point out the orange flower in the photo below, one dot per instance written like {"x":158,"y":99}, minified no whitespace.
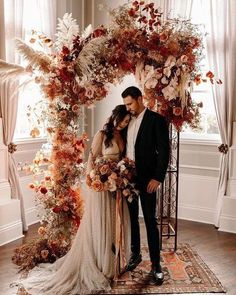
{"x":126,"y":192}
{"x":31,"y":186}
{"x":63,"y":114}
{"x":209,"y":75}
{"x":177,"y":111}
{"x":163,"y":37}
{"x":88,"y":180}
{"x":41,"y":231}
{"x":97,"y":185}
{"x":104,"y":169}
{"x":197,"y":79}
{"x":35,"y":132}
{"x":113,"y":175}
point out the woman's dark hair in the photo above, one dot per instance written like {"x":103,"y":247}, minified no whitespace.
{"x":117,"y":116}
{"x":133,"y":91}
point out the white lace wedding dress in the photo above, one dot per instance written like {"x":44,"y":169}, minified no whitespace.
{"x":89,"y":266}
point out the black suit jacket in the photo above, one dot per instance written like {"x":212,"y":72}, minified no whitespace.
{"x":152,"y":148}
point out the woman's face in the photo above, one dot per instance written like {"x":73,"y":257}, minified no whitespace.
{"x":123,"y":123}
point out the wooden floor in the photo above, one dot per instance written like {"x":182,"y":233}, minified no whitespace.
{"x":218,"y":250}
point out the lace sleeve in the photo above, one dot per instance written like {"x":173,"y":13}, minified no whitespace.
{"x":95,"y":150}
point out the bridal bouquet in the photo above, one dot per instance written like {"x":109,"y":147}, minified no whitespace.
{"x":111,"y":175}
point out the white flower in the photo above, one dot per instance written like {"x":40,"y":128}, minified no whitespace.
{"x":178,"y":72}
{"x":169,"y":92}
{"x":170,"y":62}
{"x":92,"y":173}
{"x":164,"y":80}
{"x":67,"y":29}
{"x":151,"y":83}
{"x":88,"y":30}
{"x":125,"y":180}
{"x":184,"y":58}
{"x":122,"y":168}
{"x":167,"y":71}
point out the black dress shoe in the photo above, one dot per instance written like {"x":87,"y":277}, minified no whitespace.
{"x":134,"y":261}
{"x":158,"y":275}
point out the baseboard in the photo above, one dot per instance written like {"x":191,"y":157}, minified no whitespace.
{"x":228,"y":224}
{"x":10,"y":232}
{"x":31,"y":216}
{"x":194,"y":213}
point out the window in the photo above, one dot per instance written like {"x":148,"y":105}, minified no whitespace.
{"x":203,"y":92}
{"x":29,"y":95}
{"x":208,"y":125}
{"x":29,"y":98}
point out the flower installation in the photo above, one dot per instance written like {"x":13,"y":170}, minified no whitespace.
{"x":163,"y":54}
{"x":111,"y":175}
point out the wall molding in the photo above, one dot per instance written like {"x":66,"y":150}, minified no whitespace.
{"x":31,"y":216}
{"x":228,"y":224}
{"x":10,"y":232}
{"x":196,"y":213}
{"x":199,"y":167}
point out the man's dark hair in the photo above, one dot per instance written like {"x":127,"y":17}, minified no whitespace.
{"x":133,"y":91}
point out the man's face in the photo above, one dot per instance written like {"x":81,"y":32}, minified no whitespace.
{"x":132,"y":105}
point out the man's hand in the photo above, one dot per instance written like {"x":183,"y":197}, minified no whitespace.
{"x":152,"y":186}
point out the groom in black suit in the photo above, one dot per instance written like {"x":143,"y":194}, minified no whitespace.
{"x":148,"y":145}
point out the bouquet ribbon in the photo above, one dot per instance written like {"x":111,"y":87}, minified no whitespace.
{"x":119,"y":237}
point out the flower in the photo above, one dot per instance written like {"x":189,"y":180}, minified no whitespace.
{"x":41,"y":230}
{"x":110,"y":175}
{"x":97,"y":185}
{"x":35,"y":132}
{"x":75,"y":108}
{"x":44,"y":254}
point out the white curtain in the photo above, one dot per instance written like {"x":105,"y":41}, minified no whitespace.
{"x":221,"y":49}
{"x":11,"y":27}
{"x":18,"y":17}
{"x":219,"y":18}
{"x":175,"y":8}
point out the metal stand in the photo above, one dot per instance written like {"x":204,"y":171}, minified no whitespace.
{"x":168,"y":194}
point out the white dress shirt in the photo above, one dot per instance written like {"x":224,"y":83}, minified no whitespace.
{"x":132,"y":133}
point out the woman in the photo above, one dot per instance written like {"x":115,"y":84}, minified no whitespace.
{"x":89,"y":266}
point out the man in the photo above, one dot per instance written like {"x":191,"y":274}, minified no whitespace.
{"x":148,"y":145}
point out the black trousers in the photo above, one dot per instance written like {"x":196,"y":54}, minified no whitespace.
{"x":148,"y":203}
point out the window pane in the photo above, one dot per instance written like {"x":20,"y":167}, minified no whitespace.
{"x":29,"y":97}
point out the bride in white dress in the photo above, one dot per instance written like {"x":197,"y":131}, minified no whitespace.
{"x":89,"y":266}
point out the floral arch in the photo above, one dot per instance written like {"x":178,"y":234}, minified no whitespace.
{"x":164,"y":56}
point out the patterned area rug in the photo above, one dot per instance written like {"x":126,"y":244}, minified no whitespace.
{"x":184,"y":270}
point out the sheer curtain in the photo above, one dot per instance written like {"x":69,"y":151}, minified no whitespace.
{"x":175,"y":8}
{"x":218,"y":17}
{"x":221,"y":49}
{"x":18,"y":17}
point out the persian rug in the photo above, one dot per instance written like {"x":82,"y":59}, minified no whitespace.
{"x":184,"y":270}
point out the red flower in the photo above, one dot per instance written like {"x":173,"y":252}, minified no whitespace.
{"x":65,"y":75}
{"x":65,"y":50}
{"x":56,"y":209}
{"x":101,"y":31}
{"x":43,"y":190}
{"x":132,"y":12}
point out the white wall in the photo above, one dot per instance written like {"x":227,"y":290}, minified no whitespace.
{"x":10,"y":219}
